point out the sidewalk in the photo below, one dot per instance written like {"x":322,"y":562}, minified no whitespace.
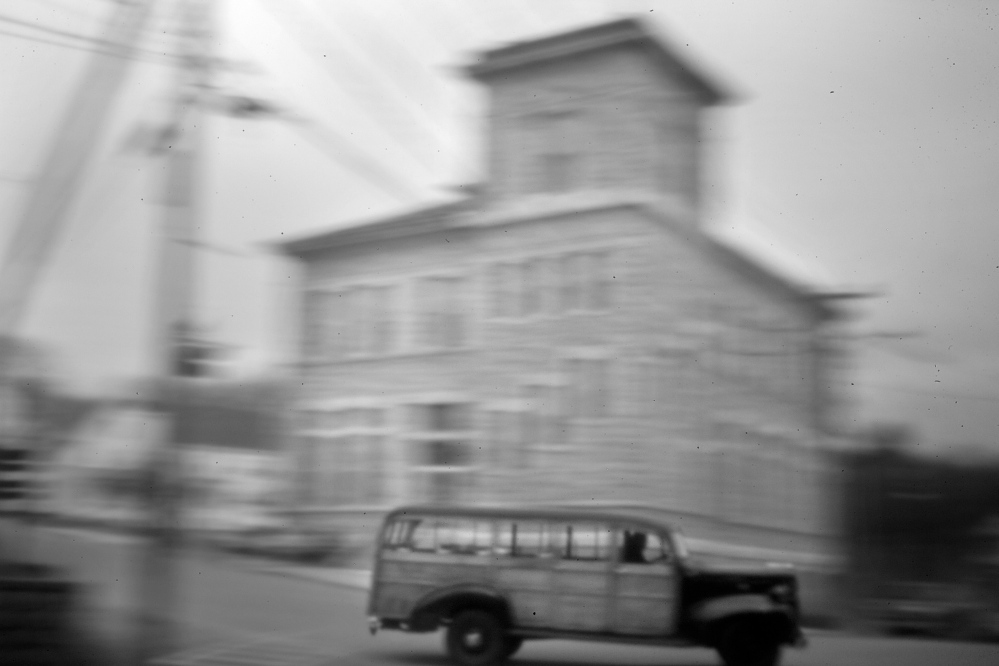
{"x":356,"y":579}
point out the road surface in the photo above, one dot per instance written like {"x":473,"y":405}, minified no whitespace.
{"x":235,"y":611}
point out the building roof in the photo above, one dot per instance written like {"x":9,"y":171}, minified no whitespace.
{"x":425,"y":220}
{"x":615,"y":34}
{"x":466,"y":214}
{"x":818,"y":301}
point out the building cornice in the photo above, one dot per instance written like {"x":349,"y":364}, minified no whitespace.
{"x":470,"y":214}
{"x":615,"y":34}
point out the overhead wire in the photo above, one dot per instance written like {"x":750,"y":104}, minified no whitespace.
{"x":72,"y":9}
{"x":28,"y":249}
{"x":334,"y":144}
{"x":86,"y":43}
{"x":364,"y":94}
{"x":341,"y":150}
{"x":330,"y":142}
{"x":396,"y":65}
{"x":13,"y":20}
{"x":86,"y":49}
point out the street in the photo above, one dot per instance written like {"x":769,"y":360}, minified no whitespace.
{"x":239,"y":611}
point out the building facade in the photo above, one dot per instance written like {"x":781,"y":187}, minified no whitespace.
{"x":569,"y":332}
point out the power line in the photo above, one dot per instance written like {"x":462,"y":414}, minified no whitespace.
{"x":110,"y":49}
{"x":4,"y":18}
{"x":72,"y":10}
{"x":337,"y":147}
{"x":136,"y":54}
{"x":330,"y":142}
{"x":361,"y":52}
{"x":52,"y":42}
{"x":30,"y":245}
{"x":318,"y":31}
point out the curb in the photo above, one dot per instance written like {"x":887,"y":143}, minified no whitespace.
{"x":354,"y":579}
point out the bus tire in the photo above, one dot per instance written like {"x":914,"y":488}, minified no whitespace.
{"x":513,"y":644}
{"x":476,"y":638}
{"x":749,"y":642}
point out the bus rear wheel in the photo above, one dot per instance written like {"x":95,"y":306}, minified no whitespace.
{"x":476,"y":638}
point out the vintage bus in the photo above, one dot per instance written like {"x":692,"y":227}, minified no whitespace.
{"x":497,"y":576}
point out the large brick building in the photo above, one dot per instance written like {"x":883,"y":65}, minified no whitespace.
{"x":569,"y":331}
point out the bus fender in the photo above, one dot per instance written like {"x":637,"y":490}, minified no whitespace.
{"x":439,"y":606}
{"x":719,"y":608}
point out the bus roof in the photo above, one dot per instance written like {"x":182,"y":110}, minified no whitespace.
{"x":617,"y":512}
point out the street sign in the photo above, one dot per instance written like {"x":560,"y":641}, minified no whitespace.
{"x":14,"y":473}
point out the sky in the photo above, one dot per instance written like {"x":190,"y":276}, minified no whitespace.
{"x":859,"y":153}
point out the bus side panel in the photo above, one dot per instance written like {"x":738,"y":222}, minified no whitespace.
{"x":647,"y":599}
{"x":527,"y":583}
{"x":582,"y":595}
{"x":405,"y":577}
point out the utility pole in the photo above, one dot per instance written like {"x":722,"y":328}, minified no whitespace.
{"x":174,"y":299}
{"x":42,"y":219}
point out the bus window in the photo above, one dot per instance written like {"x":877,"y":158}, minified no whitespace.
{"x":530,"y":538}
{"x":559,"y":540}
{"x":643,"y":547}
{"x":399,"y":534}
{"x":465,"y":537}
{"x":391,"y":536}
{"x":505,"y":538}
{"x":590,"y":542}
{"x":452,"y":535}
{"x":482,"y":538}
{"x":424,"y":537}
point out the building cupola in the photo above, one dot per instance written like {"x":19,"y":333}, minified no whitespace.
{"x":608,"y":107}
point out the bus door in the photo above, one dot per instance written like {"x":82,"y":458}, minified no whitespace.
{"x":581,"y":577}
{"x":646,"y":584}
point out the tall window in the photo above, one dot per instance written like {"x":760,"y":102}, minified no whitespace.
{"x":530,"y":292}
{"x":585,"y":281}
{"x":598,"y":282}
{"x":376,"y":322}
{"x":589,"y":394}
{"x":442,"y":322}
{"x":548,"y":284}
{"x":314,"y":319}
{"x":442,"y":438}
{"x":343,"y":451}
{"x":559,"y":143}
{"x":572,"y":282}
{"x":544,"y":416}
{"x":552,"y":285}
{"x":309,"y":484}
{"x":358,"y":321}
{"x":657,"y":385}
{"x":508,"y":446}
{"x":341,"y":323}
{"x":506,"y":287}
